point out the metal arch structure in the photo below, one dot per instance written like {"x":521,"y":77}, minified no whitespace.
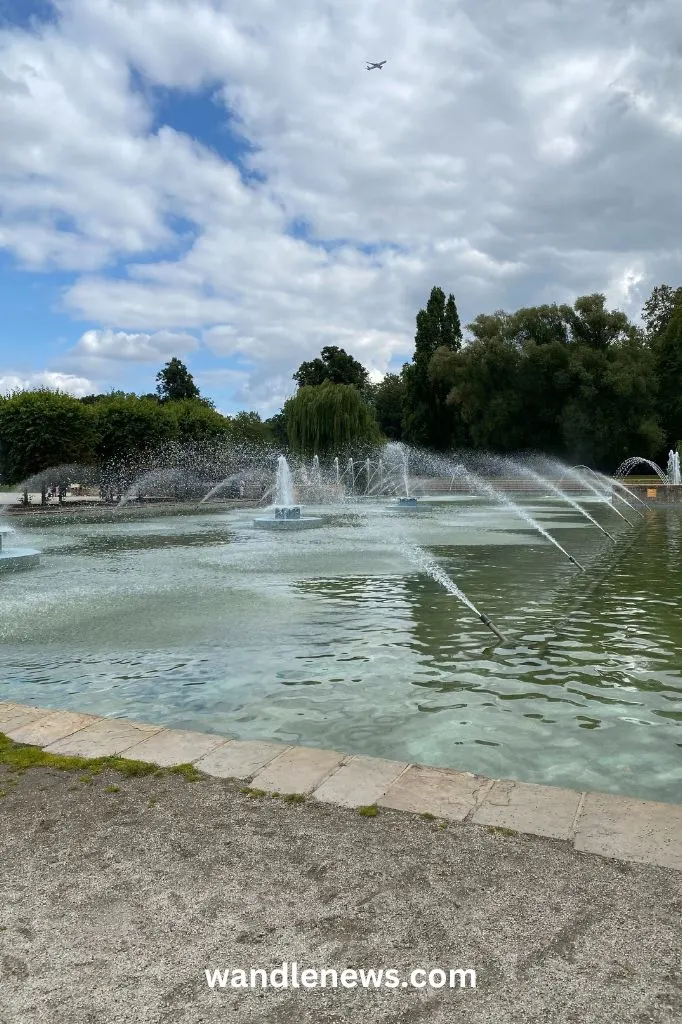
{"x":628,"y":465}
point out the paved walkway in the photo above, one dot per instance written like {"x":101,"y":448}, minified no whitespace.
{"x":117,"y":893}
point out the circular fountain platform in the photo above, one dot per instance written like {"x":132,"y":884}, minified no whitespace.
{"x":305,"y":522}
{"x":287,"y":517}
{"x":18,"y":558}
{"x":405,"y":505}
{"x":12,"y":559}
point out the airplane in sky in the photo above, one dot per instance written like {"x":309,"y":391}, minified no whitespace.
{"x":380,"y":64}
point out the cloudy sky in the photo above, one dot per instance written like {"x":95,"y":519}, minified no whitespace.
{"x":223,"y":180}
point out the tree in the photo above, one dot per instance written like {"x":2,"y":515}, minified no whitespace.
{"x":197,"y":422}
{"x":590,"y":323}
{"x":277,"y":426}
{"x":330,"y":419}
{"x":659,"y":307}
{"x":388,"y":400}
{"x":668,"y":357}
{"x":482,"y":382}
{"x":429,"y":421}
{"x":175,"y":382}
{"x":335,"y":365}
{"x":40,"y":429}
{"x":249,"y":427}
{"x":127,"y":425}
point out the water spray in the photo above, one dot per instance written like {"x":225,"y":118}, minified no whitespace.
{"x":577,"y":473}
{"x":483,"y":487}
{"x":543,"y":482}
{"x":432,"y":569}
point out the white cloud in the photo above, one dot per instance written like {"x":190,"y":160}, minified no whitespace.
{"x":139,"y":348}
{"x":77,"y":386}
{"x":503,"y":153}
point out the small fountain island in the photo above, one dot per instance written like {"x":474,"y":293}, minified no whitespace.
{"x":285,"y":514}
{"x":13,"y":558}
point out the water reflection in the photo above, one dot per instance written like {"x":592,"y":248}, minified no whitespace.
{"x":335,"y":640}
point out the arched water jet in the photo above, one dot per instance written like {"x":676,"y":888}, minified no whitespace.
{"x":153,"y":478}
{"x":602,"y":493}
{"x":219,"y":487}
{"x":611,"y":483}
{"x":629,"y":464}
{"x":483,"y":487}
{"x":543,"y":482}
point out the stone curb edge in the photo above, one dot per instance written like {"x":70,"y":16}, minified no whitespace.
{"x":618,"y":827}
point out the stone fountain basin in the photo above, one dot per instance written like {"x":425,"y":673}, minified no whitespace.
{"x":405,"y":505}
{"x":302,"y":523}
{"x":287,"y":517}
{"x":18,"y":558}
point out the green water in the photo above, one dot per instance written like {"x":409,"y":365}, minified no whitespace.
{"x":334,"y":638}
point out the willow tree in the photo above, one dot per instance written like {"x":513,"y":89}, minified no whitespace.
{"x":328,"y":418}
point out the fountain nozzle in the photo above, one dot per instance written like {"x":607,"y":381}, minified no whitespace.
{"x":576,"y":563}
{"x":486,"y":622}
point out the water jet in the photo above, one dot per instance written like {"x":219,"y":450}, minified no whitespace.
{"x":286,"y":515}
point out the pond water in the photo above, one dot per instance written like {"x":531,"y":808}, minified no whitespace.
{"x":336,"y":638}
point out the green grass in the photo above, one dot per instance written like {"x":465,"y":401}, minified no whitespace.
{"x":19,"y":757}
{"x":502,"y":831}
{"x":370,"y":811}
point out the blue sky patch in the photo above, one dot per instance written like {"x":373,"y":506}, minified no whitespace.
{"x":27,"y":14}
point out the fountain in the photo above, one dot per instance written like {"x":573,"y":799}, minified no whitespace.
{"x":629,"y":464}
{"x":406,"y":502}
{"x":370,"y":635}
{"x":12,"y":558}
{"x":544,"y":482}
{"x":481,"y":486}
{"x":671,"y":493}
{"x":285,"y":514}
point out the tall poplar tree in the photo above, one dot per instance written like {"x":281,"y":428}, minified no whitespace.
{"x":429,"y":421}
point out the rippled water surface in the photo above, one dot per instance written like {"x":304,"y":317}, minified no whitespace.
{"x":335,"y":638}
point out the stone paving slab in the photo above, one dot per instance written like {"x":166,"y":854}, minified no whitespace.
{"x":538,"y":810}
{"x":239,"y":759}
{"x":360,"y":782}
{"x":48,"y":728}
{"x":628,"y":829}
{"x":297,"y":770}
{"x":175,"y":746}
{"x":105,"y":738}
{"x":439,"y":791}
{"x":18,"y":720}
{"x":11,"y":712}
{"x":7,"y":706}
{"x":609,"y":826}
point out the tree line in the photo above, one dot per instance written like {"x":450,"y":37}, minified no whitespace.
{"x":581,"y":383}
